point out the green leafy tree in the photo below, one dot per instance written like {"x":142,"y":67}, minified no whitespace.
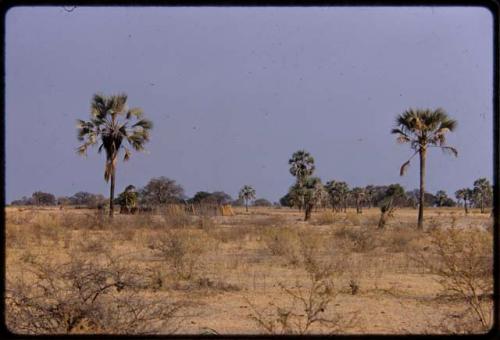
{"x":112,"y":123}
{"x":247,"y":193}
{"x":464,"y":194}
{"x":482,"y":193}
{"x":301,"y":166}
{"x":423,"y":129}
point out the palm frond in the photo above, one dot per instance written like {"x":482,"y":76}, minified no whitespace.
{"x":404,"y":168}
{"x":136,"y":111}
{"x":450,"y":149}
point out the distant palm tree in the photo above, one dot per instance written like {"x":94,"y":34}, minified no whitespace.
{"x":359,"y":195}
{"x":482,"y":192}
{"x":111,"y":124}
{"x":369,"y":193}
{"x":423,"y":129}
{"x":339,"y":192}
{"x":441,"y":198}
{"x":465,"y":195}
{"x":247,"y":193}
{"x":301,"y":166}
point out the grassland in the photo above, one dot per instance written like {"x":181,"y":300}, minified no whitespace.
{"x":257,"y":272}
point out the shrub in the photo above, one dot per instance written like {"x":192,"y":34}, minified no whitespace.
{"x":463,"y":261}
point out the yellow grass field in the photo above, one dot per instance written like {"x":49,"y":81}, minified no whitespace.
{"x":265,"y":271}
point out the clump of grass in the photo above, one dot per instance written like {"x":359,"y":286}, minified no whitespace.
{"x":325,"y":218}
{"x":352,"y":218}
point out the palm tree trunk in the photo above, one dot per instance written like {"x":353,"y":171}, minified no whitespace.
{"x":422,"y":155}
{"x":246,"y":205}
{"x":482,"y":205}
{"x":465,"y":206}
{"x":112,"y":194}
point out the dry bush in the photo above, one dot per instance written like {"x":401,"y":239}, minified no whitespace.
{"x":283,"y":241}
{"x":370,"y":220}
{"x":176,"y":217}
{"x":397,"y":240}
{"x":361,"y":240}
{"x":85,"y":296}
{"x":306,"y":307}
{"x":83,"y":220}
{"x":206,"y":223}
{"x":463,"y":260}
{"x":182,"y":250}
{"x":325,"y":218}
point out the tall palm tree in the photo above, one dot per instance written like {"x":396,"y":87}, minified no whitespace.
{"x":301,"y":166}
{"x":247,"y":193}
{"x":464,"y":194}
{"x":482,"y":192}
{"x":423,"y":129}
{"x":111,"y":124}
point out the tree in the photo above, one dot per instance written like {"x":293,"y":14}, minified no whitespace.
{"x":127,"y":200}
{"x":111,"y":124}
{"x":358,"y":194}
{"x":262,"y":202}
{"x":394,"y":196}
{"x":247,"y":193}
{"x":88,"y":199}
{"x":160,"y":191}
{"x":43,"y":198}
{"x":301,"y":166}
{"x":464,"y":194}
{"x":311,"y":192}
{"x":482,"y":192}
{"x":369,"y":194}
{"x":23,"y":201}
{"x":286,"y":201}
{"x":441,"y":198}
{"x":199,"y":197}
{"x":339,"y":192}
{"x":423,"y":129}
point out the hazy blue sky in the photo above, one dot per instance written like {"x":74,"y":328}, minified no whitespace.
{"x":233,"y":92}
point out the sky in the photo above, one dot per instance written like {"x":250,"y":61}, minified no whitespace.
{"x":234,"y":91}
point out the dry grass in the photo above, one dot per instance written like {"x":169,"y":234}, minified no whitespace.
{"x":265,"y":271}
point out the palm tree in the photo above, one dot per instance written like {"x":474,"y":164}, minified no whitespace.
{"x":111,"y":124}
{"x":247,"y":193}
{"x":464,"y":194}
{"x":301,"y":166}
{"x":441,"y":198}
{"x":311,"y":188}
{"x":339,"y":192}
{"x":358,"y":194}
{"x":423,"y":129}
{"x":482,"y":192}
{"x":369,"y":193}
